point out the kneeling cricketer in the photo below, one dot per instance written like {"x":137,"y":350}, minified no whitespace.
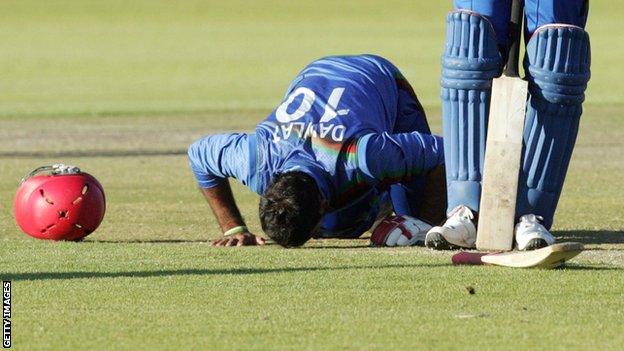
{"x":347,"y":147}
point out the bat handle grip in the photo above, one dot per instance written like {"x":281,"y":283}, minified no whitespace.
{"x":515,"y":29}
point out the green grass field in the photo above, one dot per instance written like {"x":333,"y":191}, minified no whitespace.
{"x":122,"y":88}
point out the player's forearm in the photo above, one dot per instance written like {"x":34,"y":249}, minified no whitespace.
{"x":221,"y":201}
{"x":392,"y":157}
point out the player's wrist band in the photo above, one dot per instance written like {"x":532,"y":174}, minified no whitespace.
{"x":236,"y":230}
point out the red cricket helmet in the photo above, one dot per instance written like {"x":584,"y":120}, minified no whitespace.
{"x":64,"y":204}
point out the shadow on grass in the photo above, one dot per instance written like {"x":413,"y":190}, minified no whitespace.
{"x":353,"y":246}
{"x":362,"y":244}
{"x":575,"y":267}
{"x":329,"y":243}
{"x":591,"y":236}
{"x":148,"y":241}
{"x":199,"y":272}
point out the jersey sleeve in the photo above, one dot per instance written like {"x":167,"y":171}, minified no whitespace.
{"x":217,"y":157}
{"x":391,"y":158}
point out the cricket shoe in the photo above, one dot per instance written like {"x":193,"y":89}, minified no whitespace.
{"x":530,"y":233}
{"x":458,"y":231}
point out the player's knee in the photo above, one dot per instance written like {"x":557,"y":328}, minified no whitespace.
{"x":558,"y":64}
{"x":471,"y":58}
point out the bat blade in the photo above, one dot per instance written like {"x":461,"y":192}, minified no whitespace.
{"x":548,"y":257}
{"x":552,"y":256}
{"x":502,"y":164}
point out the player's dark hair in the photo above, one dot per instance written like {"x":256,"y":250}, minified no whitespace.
{"x":290,"y":208}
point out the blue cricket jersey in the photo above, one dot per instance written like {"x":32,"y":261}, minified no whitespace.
{"x":345,"y":121}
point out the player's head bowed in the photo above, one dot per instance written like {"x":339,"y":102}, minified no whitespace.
{"x":291,"y":208}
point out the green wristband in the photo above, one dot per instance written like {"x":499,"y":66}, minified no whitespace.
{"x":236,"y":230}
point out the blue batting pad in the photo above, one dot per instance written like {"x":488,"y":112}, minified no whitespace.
{"x":557,"y":65}
{"x":470,"y":61}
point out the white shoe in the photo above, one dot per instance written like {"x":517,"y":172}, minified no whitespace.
{"x":458,"y":230}
{"x":531,"y":234}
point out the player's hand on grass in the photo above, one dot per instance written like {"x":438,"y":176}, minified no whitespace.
{"x":241,"y":239}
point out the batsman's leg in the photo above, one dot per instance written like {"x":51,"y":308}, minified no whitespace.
{"x":542,"y":12}
{"x":557,"y":67}
{"x":470,"y":61}
{"x":497,"y":12}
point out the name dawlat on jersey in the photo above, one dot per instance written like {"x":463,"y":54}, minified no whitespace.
{"x":309,"y":129}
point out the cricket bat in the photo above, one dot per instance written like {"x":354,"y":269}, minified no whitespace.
{"x":503,"y":149}
{"x":552,"y":256}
